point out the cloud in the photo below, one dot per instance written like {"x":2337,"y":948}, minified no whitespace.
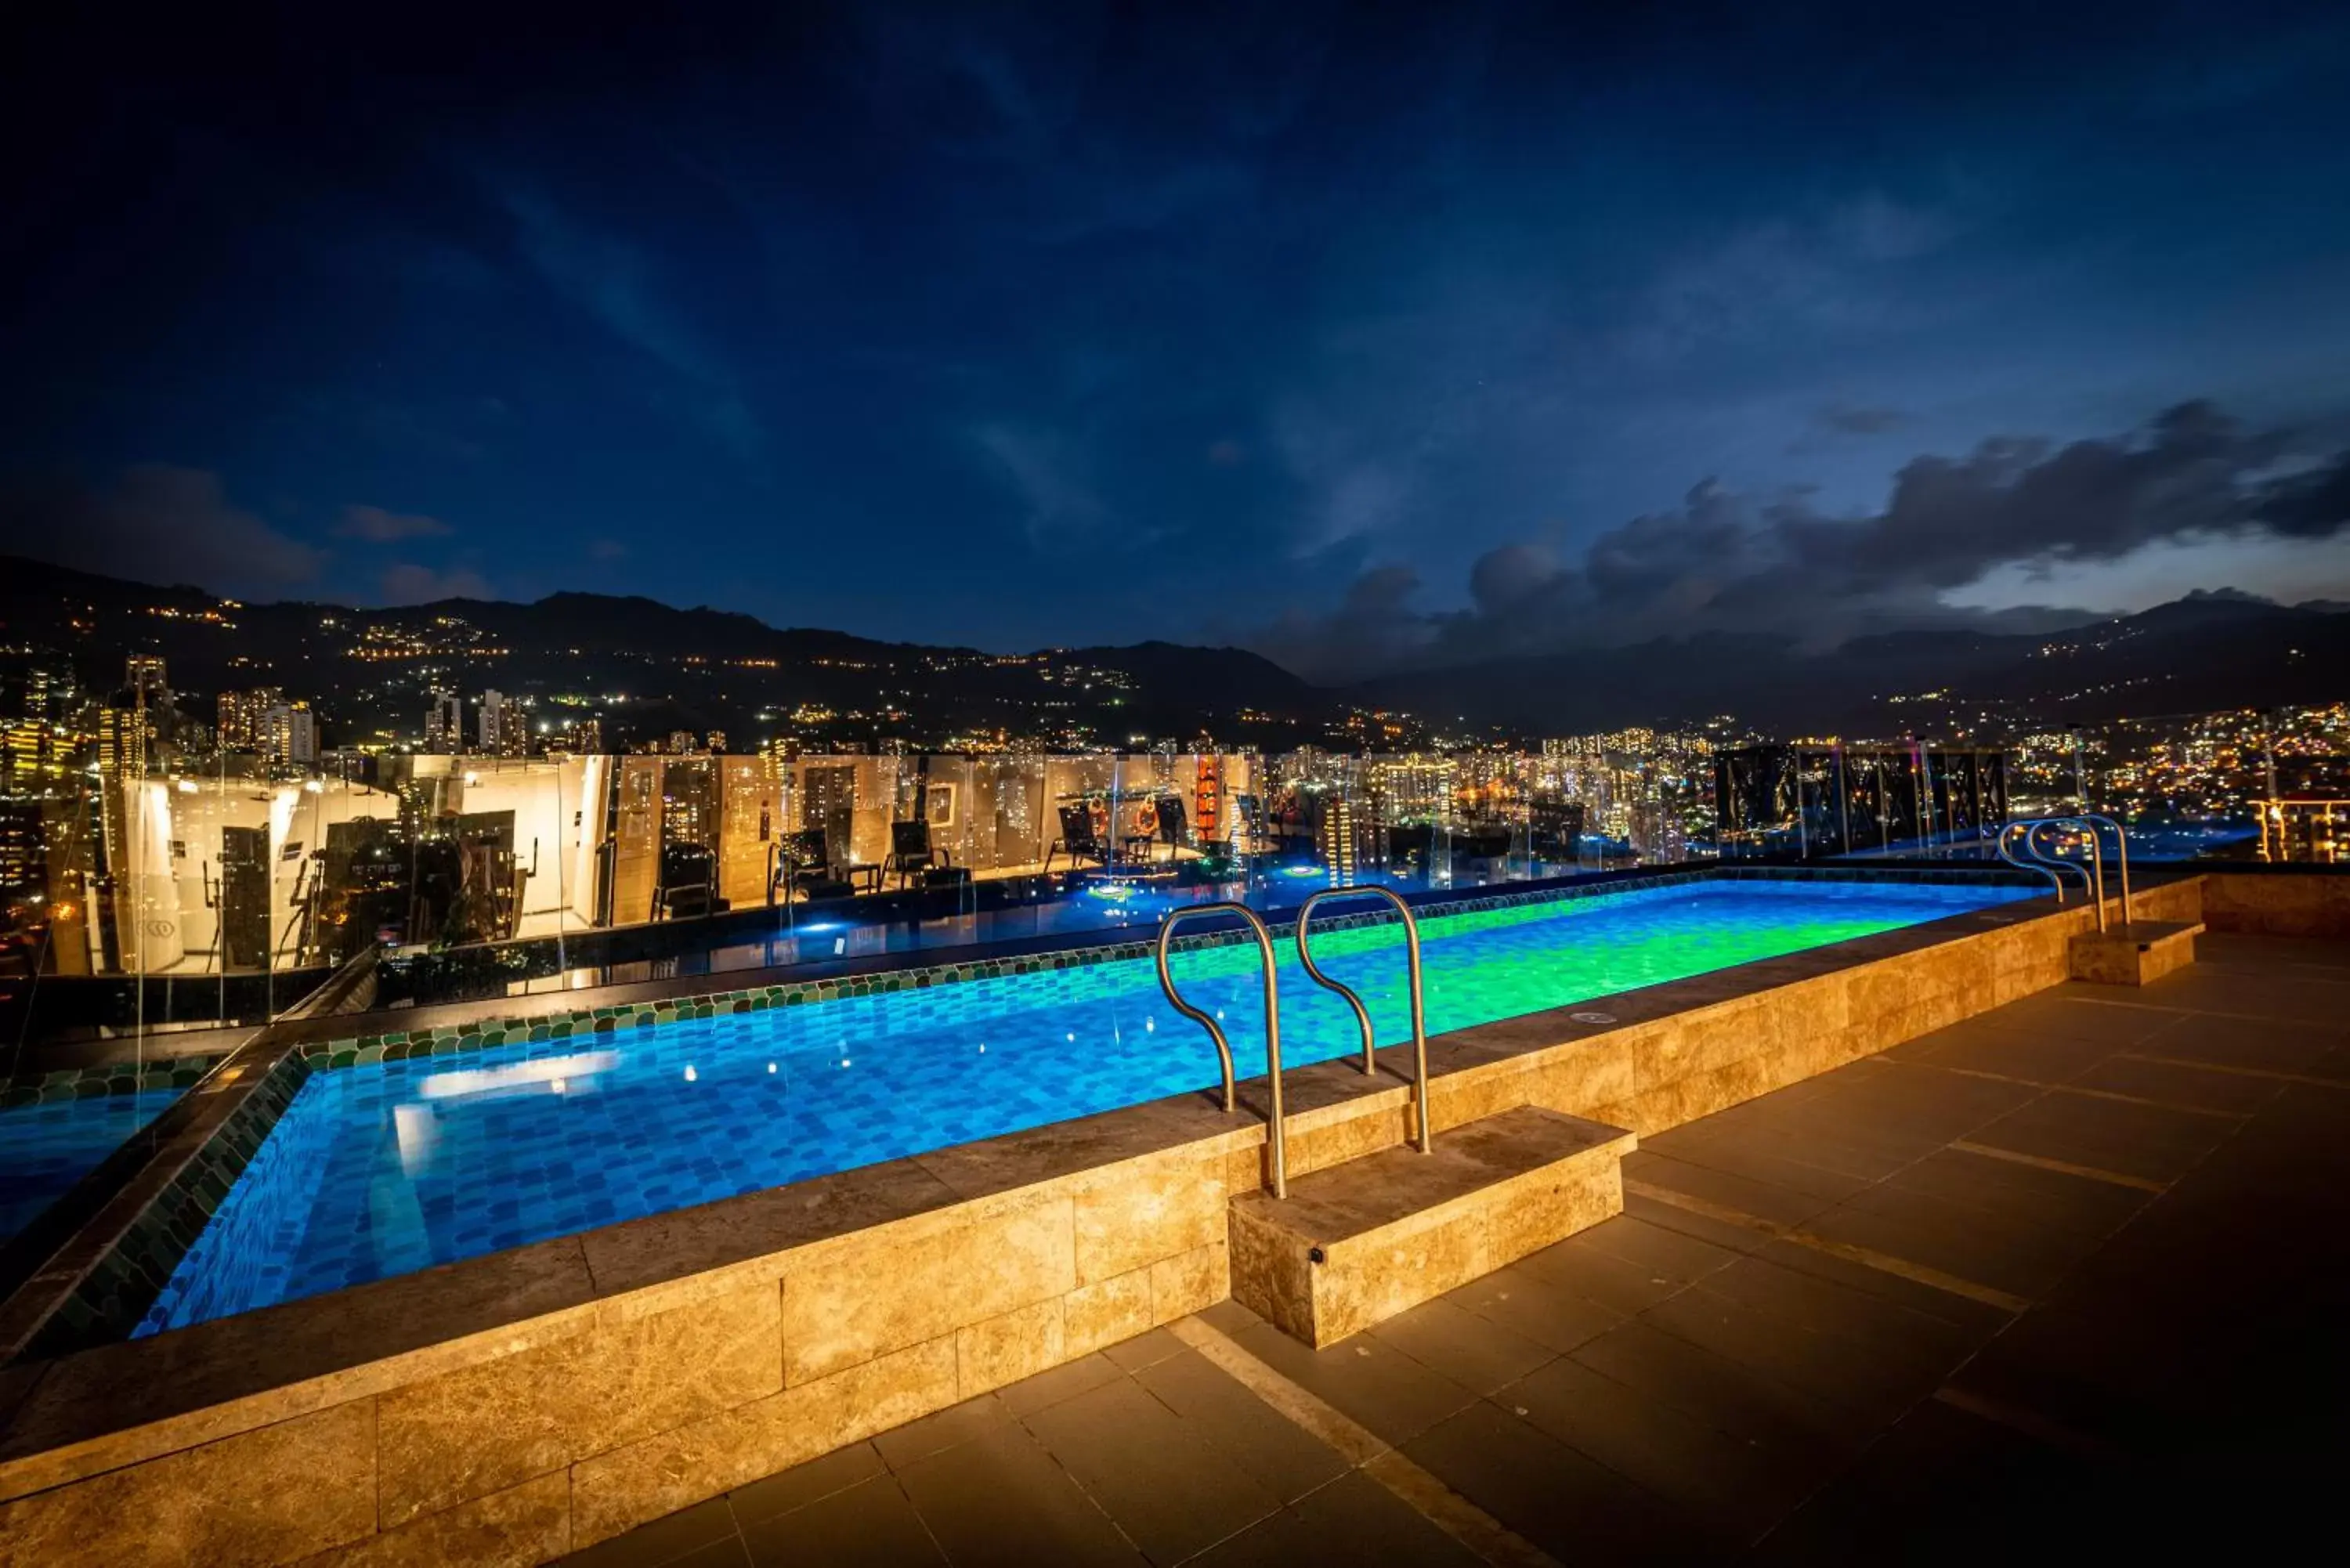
{"x":1846,"y":419}
{"x":1050,"y":476}
{"x":2013,"y":509}
{"x":406,"y":583}
{"x":157,"y":523}
{"x":377,"y":526}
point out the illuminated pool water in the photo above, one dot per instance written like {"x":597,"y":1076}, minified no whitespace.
{"x":46,"y":1149}
{"x":378,"y":1169}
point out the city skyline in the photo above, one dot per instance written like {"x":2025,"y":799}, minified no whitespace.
{"x":1356,"y":340}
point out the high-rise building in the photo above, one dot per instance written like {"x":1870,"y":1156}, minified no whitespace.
{"x":718,"y":741}
{"x":144,"y":673}
{"x":444,"y":723}
{"x":244,"y":715}
{"x":291,"y":734}
{"x":502,"y":725}
{"x":681,"y":741}
{"x":581,"y":737}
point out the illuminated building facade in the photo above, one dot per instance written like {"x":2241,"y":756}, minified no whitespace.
{"x":444,"y":723}
{"x":244,"y":718}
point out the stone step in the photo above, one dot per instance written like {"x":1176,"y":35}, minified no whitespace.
{"x":1355,"y":1244}
{"x":2134,"y":954}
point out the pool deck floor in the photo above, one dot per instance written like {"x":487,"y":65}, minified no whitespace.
{"x":2071,"y":1277}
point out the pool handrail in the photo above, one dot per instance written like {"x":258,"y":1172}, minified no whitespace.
{"x":2093,"y":875}
{"x":1426,"y":1135}
{"x":2033,"y":862}
{"x":1279,"y":1159}
{"x":2121,"y":855}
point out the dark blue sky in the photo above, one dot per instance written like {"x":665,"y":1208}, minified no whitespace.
{"x":1354,"y":334}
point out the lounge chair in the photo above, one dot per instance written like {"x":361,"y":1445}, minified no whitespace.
{"x":689,"y":883}
{"x":1078,"y":840}
{"x":804,"y":867}
{"x":910,"y":854}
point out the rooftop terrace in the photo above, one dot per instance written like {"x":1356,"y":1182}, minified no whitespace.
{"x":2068,"y":1275}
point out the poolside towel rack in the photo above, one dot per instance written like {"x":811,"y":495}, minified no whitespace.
{"x":1279,"y":1159}
{"x":1425,"y":1135}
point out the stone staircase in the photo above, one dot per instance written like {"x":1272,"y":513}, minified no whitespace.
{"x":1355,"y":1243}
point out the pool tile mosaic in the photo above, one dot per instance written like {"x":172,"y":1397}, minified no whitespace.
{"x":448,"y":1144}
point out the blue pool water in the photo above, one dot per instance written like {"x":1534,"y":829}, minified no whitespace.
{"x":46,"y":1149}
{"x":380,"y":1170}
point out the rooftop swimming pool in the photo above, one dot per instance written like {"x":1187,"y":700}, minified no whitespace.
{"x":383,"y":1168}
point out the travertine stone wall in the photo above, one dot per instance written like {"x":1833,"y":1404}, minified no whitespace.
{"x":599,"y":1420}
{"x":2278,"y":905}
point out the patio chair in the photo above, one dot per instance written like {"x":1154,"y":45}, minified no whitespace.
{"x":910,"y":854}
{"x":804,"y":867}
{"x":1078,"y":840}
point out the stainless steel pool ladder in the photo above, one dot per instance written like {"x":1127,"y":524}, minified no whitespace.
{"x":1279,"y":1151}
{"x":1426,"y":1137}
{"x":2091,"y":876}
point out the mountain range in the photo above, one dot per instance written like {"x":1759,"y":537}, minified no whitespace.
{"x":646,"y":668}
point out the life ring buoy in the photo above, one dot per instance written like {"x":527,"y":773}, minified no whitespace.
{"x":1146,"y":819}
{"x":1098,"y":814}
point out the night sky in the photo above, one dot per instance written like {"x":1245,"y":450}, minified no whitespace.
{"x":1360,"y":337}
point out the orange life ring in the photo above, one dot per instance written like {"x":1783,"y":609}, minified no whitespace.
{"x":1146,"y":819}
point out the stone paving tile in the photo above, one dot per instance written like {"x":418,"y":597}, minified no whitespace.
{"x":1941,"y":1487}
{"x":1283,"y":1457}
{"x":2067,"y":1013}
{"x":1456,"y":1344}
{"x":1540,"y":1298}
{"x":1171,"y":1494}
{"x":2053,"y":1199}
{"x":1738,"y":1399}
{"x":869,"y":1525}
{"x":1770,"y":1158}
{"x":1731,"y":1236}
{"x":1984,"y":1045}
{"x":1000,"y":1500}
{"x":2194,"y":1087}
{"x":1064,"y":1382}
{"x":1379,"y":1387}
{"x":804,"y":1484}
{"x":702,"y":1527}
{"x":1779,"y":1205}
{"x":1845,"y":1390}
{"x":2003,"y":1251}
{"x":2234,"y":1042}
{"x":2259,"y":996}
{"x":2146,"y":1141}
{"x":1669,"y":1254}
{"x":1734,"y":1487}
{"x":960,"y":1423}
{"x":1134,"y":1354}
{"x":1571,"y":1506}
{"x":1823,"y":1145}
{"x":1351,"y":1520}
{"x":1871,"y":1326}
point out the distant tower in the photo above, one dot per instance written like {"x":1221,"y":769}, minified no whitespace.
{"x":290,"y":734}
{"x":499,"y":724}
{"x":444,"y":723}
{"x":143,"y":673}
{"x":243,"y":715}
